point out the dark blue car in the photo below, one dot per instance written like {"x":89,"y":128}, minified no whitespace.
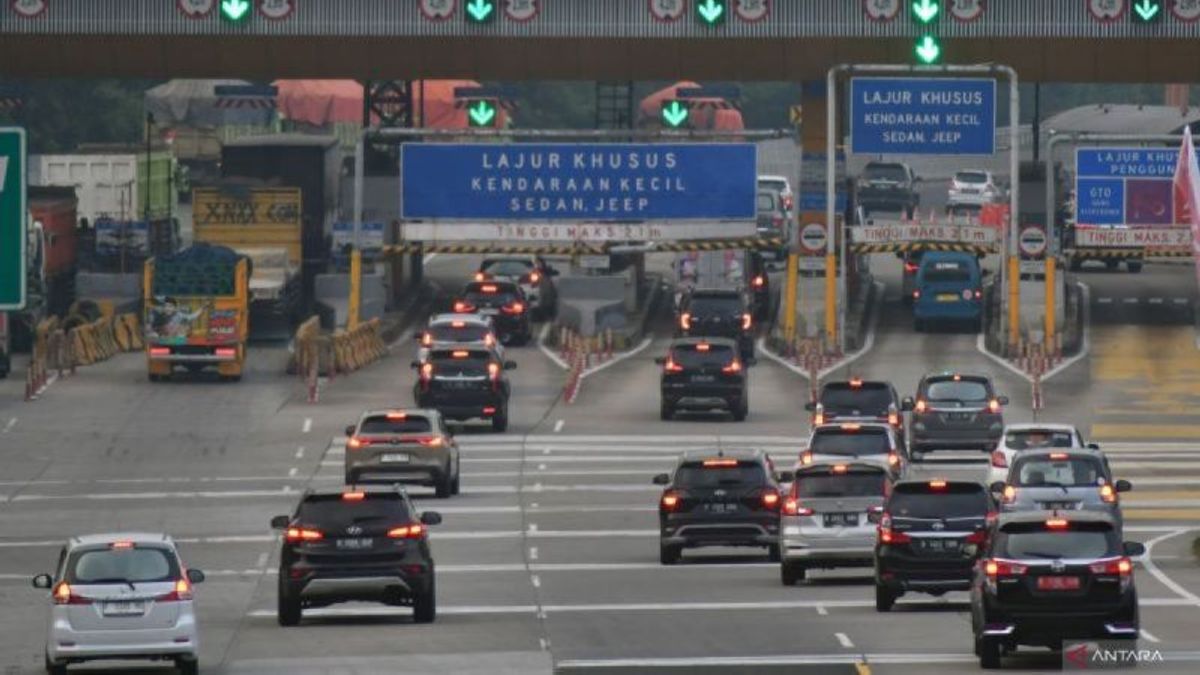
{"x":948,"y":289}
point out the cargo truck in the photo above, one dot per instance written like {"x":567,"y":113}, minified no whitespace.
{"x":197,"y":312}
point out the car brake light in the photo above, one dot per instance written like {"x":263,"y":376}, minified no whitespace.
{"x":958,"y":378}
{"x":994,"y":406}
{"x":889,"y":536}
{"x":225,"y":352}
{"x":356,"y":443}
{"x":1003,"y":568}
{"x":893,"y":459}
{"x":734,"y":366}
{"x":672,"y":367}
{"x":432,"y":441}
{"x":851,"y":426}
{"x":806,"y":457}
{"x":856,"y":382}
{"x":182,"y":591}
{"x":1058,"y":455}
{"x":426,"y":339}
{"x":160,"y":351}
{"x":685,"y":321}
{"x":721,"y":462}
{"x":978,"y":294}
{"x":514,"y":308}
{"x":397,"y":416}
{"x":64,"y":595}
{"x":937,"y":485}
{"x":759,"y":281}
{"x":353,"y":496}
{"x":921,"y":406}
{"x":121,"y":545}
{"x":911,"y":268}
{"x":489,"y":410}
{"x":840,"y":468}
{"x":916,"y":295}
{"x":793,"y":507}
{"x":460,"y":354}
{"x":461,"y":307}
{"x":458,"y":324}
{"x":414,"y":531}
{"x":1107,"y":494}
{"x":669,"y":501}
{"x":703,"y":347}
{"x":1057,"y":523}
{"x":480,"y":276}
{"x":1121,"y":566}
{"x":493,"y":371}
{"x":489,"y":288}
{"x":894,"y":419}
{"x":999,"y":460}
{"x":489,"y":340}
{"x":977,"y":537}
{"x":770,"y":499}
{"x":747,"y":321}
{"x":534,"y":278}
{"x":1009,"y":494}
{"x":295,"y":534}
{"x":426,"y":372}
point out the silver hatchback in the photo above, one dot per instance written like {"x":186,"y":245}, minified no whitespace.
{"x":121,"y":597}
{"x":828,"y":519}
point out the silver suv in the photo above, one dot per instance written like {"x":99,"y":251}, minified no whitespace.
{"x":403,"y":446}
{"x":855,"y":441}
{"x":828,"y":519}
{"x":121,"y":596}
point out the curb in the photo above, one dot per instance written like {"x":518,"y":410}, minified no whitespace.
{"x":1084,"y":346}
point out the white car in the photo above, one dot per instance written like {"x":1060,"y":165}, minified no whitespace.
{"x":1018,"y":437}
{"x":974,"y":187}
{"x":783,"y":187}
{"x":121,"y":596}
{"x":531,"y":273}
{"x":455,"y":330}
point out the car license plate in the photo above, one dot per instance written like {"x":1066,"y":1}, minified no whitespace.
{"x":489,"y":311}
{"x":939,"y":545}
{"x":721,"y":507}
{"x":355,"y":544}
{"x":836,"y":519}
{"x":124,"y":608}
{"x":1055,"y":506}
{"x":947,"y":297}
{"x":704,"y":378}
{"x":1058,"y":583}
{"x":960,"y":417}
{"x":395,"y":458}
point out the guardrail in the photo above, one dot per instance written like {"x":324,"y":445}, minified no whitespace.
{"x":345,"y":351}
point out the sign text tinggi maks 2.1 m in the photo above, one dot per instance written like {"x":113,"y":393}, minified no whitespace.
{"x":577,"y":182}
{"x":915,"y":116}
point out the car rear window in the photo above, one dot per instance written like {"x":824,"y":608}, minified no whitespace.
{"x":964,"y":390}
{"x":381,"y":424}
{"x":448,"y":364}
{"x":1034,"y":540}
{"x":468,"y":332}
{"x":870,"y":398}
{"x":850,"y":443}
{"x":1072,"y":471}
{"x":507,"y":268}
{"x":955,"y":500}
{"x":971,"y":177}
{"x":893,"y":172}
{"x":853,"y":484}
{"x":139,"y":564}
{"x":946,"y":272}
{"x":715,"y":305}
{"x":766,"y":202}
{"x":689,"y":356}
{"x":335,"y":513}
{"x":1028,"y":439}
{"x":740,"y":474}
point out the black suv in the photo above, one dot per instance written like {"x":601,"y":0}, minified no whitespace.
{"x":505,"y":303}
{"x":1047,"y":577}
{"x":355,"y":546}
{"x":464,"y":384}
{"x":890,"y":187}
{"x":930,"y":535}
{"x":718,"y":313}
{"x":728,"y":498}
{"x":858,"y":400}
{"x":955,"y":411}
{"x":703,"y":374}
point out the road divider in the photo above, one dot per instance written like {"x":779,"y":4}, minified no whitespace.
{"x":61,"y":345}
{"x":316,"y":354}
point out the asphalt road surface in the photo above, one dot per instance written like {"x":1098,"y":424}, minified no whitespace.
{"x":548,"y":559}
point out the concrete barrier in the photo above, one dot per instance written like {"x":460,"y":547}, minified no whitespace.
{"x":594,"y":304}
{"x":333,"y":290}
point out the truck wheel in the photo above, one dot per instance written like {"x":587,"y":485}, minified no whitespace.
{"x":1134,"y":266}
{"x":884,"y":598}
{"x":668,"y":555}
{"x":790,"y":574}
{"x":425,"y":604}
{"x":289,"y":606}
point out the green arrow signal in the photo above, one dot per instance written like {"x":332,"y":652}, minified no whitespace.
{"x":235,"y":10}
{"x":482,"y":113}
{"x":675,"y":114}
{"x":1147,"y":10}
{"x":480,"y":11}
{"x":712,"y":12}
{"x":928,"y":50}
{"x":925,"y":10}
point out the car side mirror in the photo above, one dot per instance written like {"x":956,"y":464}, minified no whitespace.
{"x":1123,"y":486}
{"x":662,"y":479}
{"x":785,"y":476}
{"x":43,"y":581}
{"x":810,"y":406}
{"x":350,"y":429}
{"x":1134,"y":549}
{"x":195,"y":576}
{"x":908,"y":404}
{"x":431,"y":518}
{"x":1002,"y":400}
{"x":997,"y":487}
{"x":510,"y":365}
{"x":660,"y":360}
{"x":1093,"y":446}
{"x":280,"y":522}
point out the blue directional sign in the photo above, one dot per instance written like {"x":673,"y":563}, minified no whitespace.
{"x":915,"y":116}
{"x":580,"y":182}
{"x":1125,"y":186}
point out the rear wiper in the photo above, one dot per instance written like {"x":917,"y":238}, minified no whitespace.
{"x":1051,"y":483}
{"x":114,"y":580}
{"x":1047,"y":556}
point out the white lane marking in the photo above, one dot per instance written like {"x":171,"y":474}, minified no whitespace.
{"x":292,"y":472}
{"x":1147,"y":635}
{"x":617,"y":358}
{"x":822,"y":611}
{"x":11,"y":423}
{"x":554,"y":358}
{"x":981,"y":346}
{"x":534,"y":505}
{"x":558,"y":426}
{"x":533,"y":528}
{"x":1104,"y":301}
{"x":533,"y":553}
{"x":1132,"y":301}
{"x":741,"y":663}
{"x":300,"y":452}
{"x":307,"y":425}
{"x":544,"y":643}
{"x":844,"y":640}
{"x":262,"y":560}
{"x":1181,"y":301}
{"x":429,"y":257}
{"x":535,"y":580}
{"x":1156,"y":301}
{"x":119,"y":496}
{"x":1148,"y":563}
{"x":541,"y":467}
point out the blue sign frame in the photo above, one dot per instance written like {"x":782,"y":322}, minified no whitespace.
{"x":1125,"y":185}
{"x":579,"y":182}
{"x":922,"y":116}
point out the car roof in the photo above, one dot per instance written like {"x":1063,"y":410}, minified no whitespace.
{"x":383,"y":412}
{"x":1040,"y":516}
{"x":721,"y":453}
{"x":724,"y":342}
{"x":949,"y":481}
{"x":110,"y":537}
{"x":1030,"y":426}
{"x":1035,"y":453}
{"x":857,"y":463}
{"x":863,"y":383}
{"x":952,"y":373}
{"x":948,"y":256}
{"x":837,"y":426}
{"x":452,"y":317}
{"x":393,"y":489}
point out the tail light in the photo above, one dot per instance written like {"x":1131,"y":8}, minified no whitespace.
{"x":670,"y":501}
{"x":461,"y":307}
{"x":993,"y":406}
{"x":493,"y":371}
{"x":978,"y":294}
{"x":356,"y":443}
{"x":1108,"y":494}
{"x":489,"y":410}
{"x":793,"y":507}
{"x":921,"y":406}
{"x":889,"y":536}
{"x":734,"y":367}
{"x":999,"y":460}
{"x":770,"y":499}
{"x":937,"y":485}
{"x":181,"y":592}
{"x":64,"y":595}
{"x":916,"y":295}
{"x":160,"y":351}
{"x":225,"y":352}
{"x":426,"y":372}
{"x":1009,"y":495}
{"x":427,"y":339}
{"x":513,"y":308}
{"x":747,"y":321}
{"x":759,"y":281}
{"x":893,"y":459}
{"x":685,"y":321}
{"x":671,"y":366}
{"x":302,"y":534}
{"x":432,"y":441}
{"x":911,"y":268}
{"x":977,"y":537}
{"x":893,"y":418}
{"x":353,"y":496}
{"x":480,"y":276}
{"x":413,"y":531}
{"x":1120,"y":566}
{"x":1057,"y":524}
{"x":1003,"y":568}
{"x":806,"y":457}
{"x":535,"y":278}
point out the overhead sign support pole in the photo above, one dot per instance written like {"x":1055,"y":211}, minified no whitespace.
{"x":1010,"y":268}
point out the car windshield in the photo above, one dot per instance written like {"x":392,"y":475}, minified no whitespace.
{"x":956,"y":500}
{"x":715,"y":305}
{"x":446,"y":365}
{"x":689,"y":356}
{"x":467,"y":332}
{"x":1038,"y":438}
{"x":741,"y":474}
{"x":136,"y":564}
{"x":507,"y":268}
{"x":1073,"y":471}
{"x":776,"y":184}
{"x":1095,"y":541}
{"x":850,"y":443}
{"x":869,"y":398}
{"x":957,"y":390}
{"x":890,"y":172}
{"x":946,"y":272}
{"x":971,"y":177}
{"x":856,"y":484}
{"x":395,"y":424}
{"x":332,"y":512}
{"x":766,"y":202}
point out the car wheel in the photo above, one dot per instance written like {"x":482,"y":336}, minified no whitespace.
{"x":665,"y":411}
{"x":668,"y":555}
{"x":500,"y":421}
{"x":425,"y":604}
{"x":455,"y":485}
{"x":989,"y":653}
{"x":741,"y":410}
{"x":445,"y":486}
{"x":791,"y":574}
{"x":55,"y":667}
{"x":187,"y":665}
{"x":884,"y":598}
{"x":773,"y":553}
{"x":289,"y":604}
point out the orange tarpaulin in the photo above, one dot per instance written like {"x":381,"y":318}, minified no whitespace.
{"x":707,"y":113}
{"x":324,"y":102}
